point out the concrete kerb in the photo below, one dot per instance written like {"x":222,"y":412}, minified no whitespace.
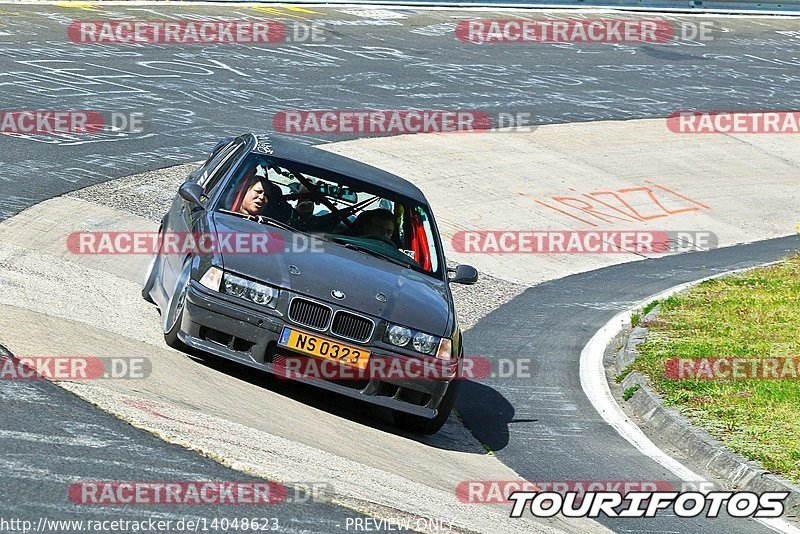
{"x":734,"y":470}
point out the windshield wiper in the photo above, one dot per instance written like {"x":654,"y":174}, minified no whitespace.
{"x":367,"y":250}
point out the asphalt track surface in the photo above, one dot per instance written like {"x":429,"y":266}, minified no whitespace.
{"x":191,"y":96}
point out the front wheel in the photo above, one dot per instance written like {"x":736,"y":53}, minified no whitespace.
{"x":422,"y":425}
{"x":174,"y":313}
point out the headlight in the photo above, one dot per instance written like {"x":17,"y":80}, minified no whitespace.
{"x":253,"y":291}
{"x":425,"y":343}
{"x":398,"y":335}
{"x":235,"y":286}
{"x":401,"y":336}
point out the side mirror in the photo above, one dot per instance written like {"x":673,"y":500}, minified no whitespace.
{"x":463,"y":274}
{"x":192,"y":192}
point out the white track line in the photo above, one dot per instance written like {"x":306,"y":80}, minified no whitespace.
{"x":596,"y":388}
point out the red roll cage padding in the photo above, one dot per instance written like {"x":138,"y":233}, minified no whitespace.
{"x":419,"y":241}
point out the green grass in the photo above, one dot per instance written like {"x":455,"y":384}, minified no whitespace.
{"x":628,"y":393}
{"x":649,"y":307}
{"x":620,"y":377}
{"x":755,"y":315}
{"x":637,"y":316}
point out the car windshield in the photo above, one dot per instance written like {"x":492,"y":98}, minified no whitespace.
{"x":392,"y":228}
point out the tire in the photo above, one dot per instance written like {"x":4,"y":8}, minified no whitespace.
{"x":422,"y":425}
{"x":150,"y":280}
{"x":173,"y":315}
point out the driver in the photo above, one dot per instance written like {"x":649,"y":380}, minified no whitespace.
{"x":255,"y":197}
{"x":379,"y":223}
{"x":262,"y":197}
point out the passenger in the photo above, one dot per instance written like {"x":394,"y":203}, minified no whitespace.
{"x":305,"y":206}
{"x":378,"y":223}
{"x":305,"y":211}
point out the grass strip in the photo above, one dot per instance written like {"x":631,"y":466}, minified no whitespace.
{"x":754,"y":315}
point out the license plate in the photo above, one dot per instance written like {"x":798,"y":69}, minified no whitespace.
{"x":324,"y":348}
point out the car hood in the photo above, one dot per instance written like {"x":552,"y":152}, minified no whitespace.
{"x":316,"y":269}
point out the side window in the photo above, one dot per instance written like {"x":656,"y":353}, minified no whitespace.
{"x":219,"y":168}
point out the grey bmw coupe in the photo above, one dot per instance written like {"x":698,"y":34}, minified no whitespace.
{"x":315,"y":267}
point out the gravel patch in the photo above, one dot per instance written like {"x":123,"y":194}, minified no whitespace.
{"x":479,"y":300}
{"x":147,"y":195}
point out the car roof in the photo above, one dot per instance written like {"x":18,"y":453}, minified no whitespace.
{"x":358,"y":173}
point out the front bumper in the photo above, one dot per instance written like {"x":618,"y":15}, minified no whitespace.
{"x":225,"y":328}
